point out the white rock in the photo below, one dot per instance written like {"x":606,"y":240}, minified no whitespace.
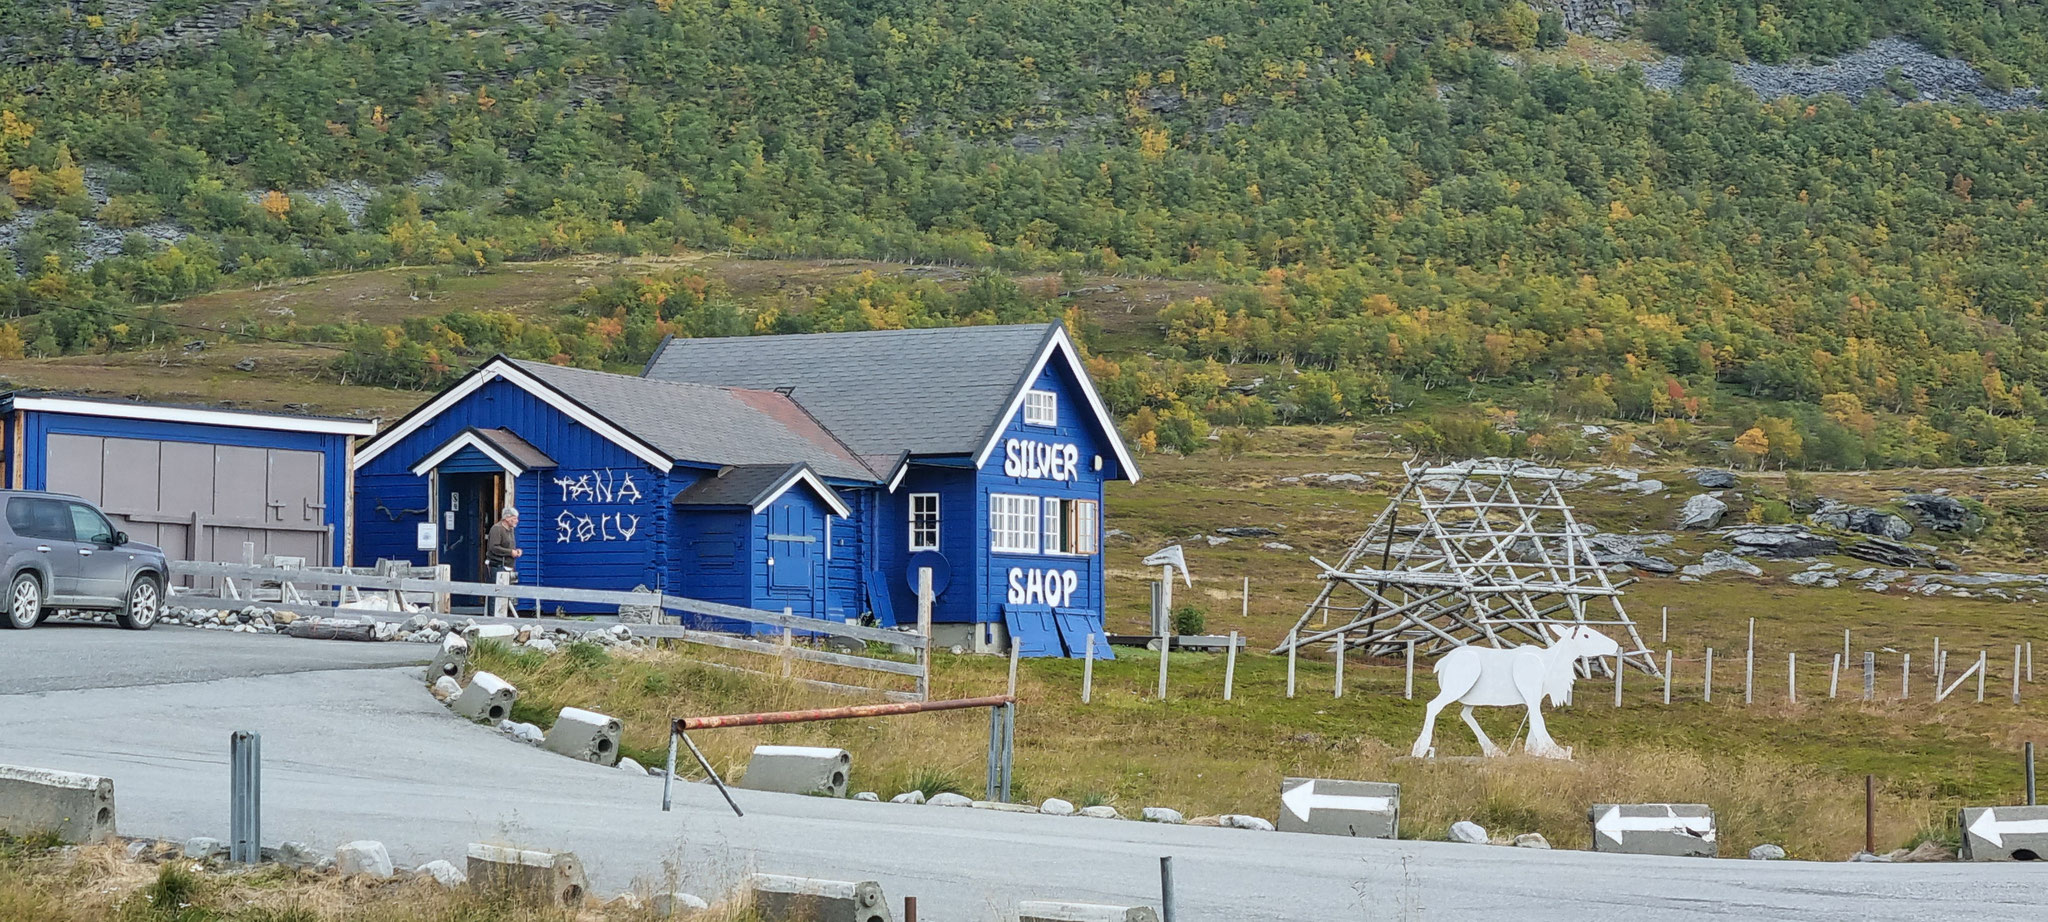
{"x":542,"y":644}
{"x":1277,"y":546}
{"x":1241,"y":821}
{"x":1101,"y":812}
{"x":363,"y":857}
{"x":1531,"y":840}
{"x":523,"y":732}
{"x":950,"y":800}
{"x":1767,"y":852}
{"x":1468,"y":832}
{"x":447,"y":875}
{"x":385,"y":630}
{"x":294,"y":854}
{"x":626,"y":764}
{"x":665,"y":905}
{"x":446,"y":688}
{"x":1166,"y":815}
{"x":908,"y":797}
{"x":868,"y":797}
{"x":1054,"y":806}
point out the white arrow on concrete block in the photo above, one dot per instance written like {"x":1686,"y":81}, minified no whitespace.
{"x":1988,"y":828}
{"x":1613,"y":825}
{"x":1302,"y":800}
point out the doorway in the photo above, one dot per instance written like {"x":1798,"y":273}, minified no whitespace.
{"x":469,"y":506}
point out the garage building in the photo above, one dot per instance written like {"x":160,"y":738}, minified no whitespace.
{"x":195,"y":481}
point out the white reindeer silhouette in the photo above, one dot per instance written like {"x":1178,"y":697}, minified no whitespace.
{"x":1482,"y":676}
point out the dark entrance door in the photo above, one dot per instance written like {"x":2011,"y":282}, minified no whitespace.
{"x":469,"y":506}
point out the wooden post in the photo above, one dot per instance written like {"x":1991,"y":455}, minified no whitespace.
{"x":1293,"y":645}
{"x":1408,"y":690}
{"x":1664,"y":625}
{"x":1165,"y":647}
{"x":1710,"y":675}
{"x":788,"y":647}
{"x":1247,"y":611}
{"x":1230,"y":666}
{"x":1667,"y":677}
{"x":1938,"y":663}
{"x":1792,"y":677}
{"x":1749,"y":665}
{"x":1088,"y":670}
{"x":2030,"y":661}
{"x":1618,"y":659}
{"x":2015,"y":674}
{"x":1337,"y":691}
{"x":1981,"y":655}
{"x":1869,"y":675}
{"x":1906,"y":677}
{"x":924,"y":630}
{"x":1845,"y":645}
{"x":1834,"y":676}
{"x":1014,"y":653}
{"x":1870,"y":814}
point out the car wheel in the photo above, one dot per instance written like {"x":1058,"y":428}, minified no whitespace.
{"x":24,"y":601}
{"x":145,"y":603}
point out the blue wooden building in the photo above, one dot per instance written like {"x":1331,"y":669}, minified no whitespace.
{"x":203,"y":483}
{"x":812,"y":472}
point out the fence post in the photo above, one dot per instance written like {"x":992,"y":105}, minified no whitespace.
{"x":2030,"y":774}
{"x":1408,"y":690}
{"x":1230,"y":665}
{"x":1749,"y":665}
{"x":1337,"y":691}
{"x":1165,"y":647}
{"x":1869,"y":675}
{"x":1905,"y":676}
{"x":245,"y":804}
{"x":1293,"y":646}
{"x":1792,"y":678}
{"x":1619,"y":659}
{"x":1088,"y":670}
{"x":1845,"y":645}
{"x":1834,"y":676}
{"x":1710,"y":676}
{"x":1013,"y":667}
{"x":2015,"y":674}
{"x":1940,"y":666}
{"x":668,"y":778}
{"x":1246,"y":612}
{"x":1664,"y":625}
{"x":1667,"y":677}
{"x":924,"y":629}
{"x":788,"y":645}
{"x":1980,"y":676}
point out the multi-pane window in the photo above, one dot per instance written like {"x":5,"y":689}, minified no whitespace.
{"x":1071,"y":526}
{"x":1013,"y":523}
{"x":924,"y":521}
{"x":1041,"y":408}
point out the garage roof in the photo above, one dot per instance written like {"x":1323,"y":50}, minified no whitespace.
{"x":177,"y":413}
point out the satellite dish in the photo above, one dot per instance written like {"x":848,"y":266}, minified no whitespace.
{"x":942,"y":572}
{"x":1171,"y":557}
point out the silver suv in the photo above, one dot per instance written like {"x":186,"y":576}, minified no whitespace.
{"x":61,"y":553}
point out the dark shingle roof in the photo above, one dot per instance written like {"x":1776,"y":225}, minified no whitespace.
{"x":514,"y":447}
{"x":882,"y":392}
{"x":707,"y":424}
{"x":741,"y":485}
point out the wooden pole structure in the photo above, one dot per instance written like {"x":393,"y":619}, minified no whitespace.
{"x":1710,"y":675}
{"x":1088,"y":670}
{"x":1749,"y":665}
{"x":1667,"y":677}
{"x":924,"y":630}
{"x":1230,"y":666}
{"x":1337,"y":690}
{"x":1292,"y":645}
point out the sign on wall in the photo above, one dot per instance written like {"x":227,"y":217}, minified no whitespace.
{"x":428,"y":537}
{"x":1049,"y":587}
{"x":1035,"y":460}
{"x":580,"y":523}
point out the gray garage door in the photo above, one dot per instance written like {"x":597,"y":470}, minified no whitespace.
{"x":200,"y":501}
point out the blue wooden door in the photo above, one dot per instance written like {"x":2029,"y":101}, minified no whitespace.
{"x":793,"y":555}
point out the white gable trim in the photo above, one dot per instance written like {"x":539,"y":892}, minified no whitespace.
{"x":1060,"y":343}
{"x":804,"y":475}
{"x":896,"y":477}
{"x":197,"y":416}
{"x":467,"y":439}
{"x":500,"y":368}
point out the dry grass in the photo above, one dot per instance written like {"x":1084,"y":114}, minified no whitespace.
{"x":98,"y":883}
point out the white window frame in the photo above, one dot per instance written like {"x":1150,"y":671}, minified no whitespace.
{"x":1013,"y":523}
{"x":933,"y":543}
{"x":1041,"y":408}
{"x":1055,"y":526}
{"x":1072,"y":527}
{"x":1087,"y":519}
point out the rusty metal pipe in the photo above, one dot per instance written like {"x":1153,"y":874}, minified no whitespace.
{"x":682,"y":724}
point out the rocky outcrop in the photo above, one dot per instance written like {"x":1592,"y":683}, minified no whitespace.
{"x":1780,"y":541}
{"x":1861,"y":519}
{"x":1721,"y":562}
{"x":1701,"y":512}
{"x":1940,"y":513}
{"x":1715,"y":480}
{"x":1929,"y":77}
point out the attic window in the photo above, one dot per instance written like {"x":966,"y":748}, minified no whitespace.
{"x":1041,"y":408}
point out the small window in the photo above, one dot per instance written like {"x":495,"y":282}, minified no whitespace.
{"x":1041,"y":408}
{"x":89,"y":526}
{"x":1072,"y":526}
{"x":33,"y":517}
{"x":1013,"y":523}
{"x":1055,"y":528}
{"x":924,"y":521}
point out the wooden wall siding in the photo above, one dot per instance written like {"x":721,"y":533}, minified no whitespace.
{"x":1078,"y":427}
{"x":962,"y":535}
{"x":845,"y":581}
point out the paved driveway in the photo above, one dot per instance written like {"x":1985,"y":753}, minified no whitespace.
{"x":355,"y":748}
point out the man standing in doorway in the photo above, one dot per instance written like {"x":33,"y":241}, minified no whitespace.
{"x":501,"y":554}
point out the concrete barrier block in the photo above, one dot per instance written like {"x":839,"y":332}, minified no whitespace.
{"x":550,"y":878}
{"x":2004,"y":833}
{"x":487,"y":698}
{"x":804,"y":899}
{"x":586,"y":735}
{"x":1365,"y":809}
{"x":798,"y":770}
{"x":450,"y":659}
{"x":75,"y":808}
{"x":1051,"y":911}
{"x":1680,"y":830}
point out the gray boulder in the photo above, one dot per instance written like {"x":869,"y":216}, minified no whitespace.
{"x":1721,"y":562}
{"x":443,"y":873}
{"x":1780,"y":542}
{"x":1701,"y":512}
{"x":950,"y":800}
{"x":1247,"y":531}
{"x":1767,"y":852}
{"x":1939,"y":513}
{"x":1242,"y":821}
{"x":1715,"y":480}
{"x":908,"y":797}
{"x":1468,"y":832}
{"x":1054,"y":806}
{"x":1166,"y":815}
{"x":1101,"y":812}
{"x":638,"y":614}
{"x":363,"y":857}
{"x":205,"y":848}
{"x":868,"y":797}
{"x":1531,"y":840}
{"x":1861,"y":519}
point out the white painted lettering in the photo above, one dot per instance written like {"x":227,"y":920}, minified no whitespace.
{"x":1016,"y":596}
{"x":1041,"y":460}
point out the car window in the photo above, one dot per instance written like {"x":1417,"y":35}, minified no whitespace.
{"x":34,"y":517}
{"x":89,"y":525}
